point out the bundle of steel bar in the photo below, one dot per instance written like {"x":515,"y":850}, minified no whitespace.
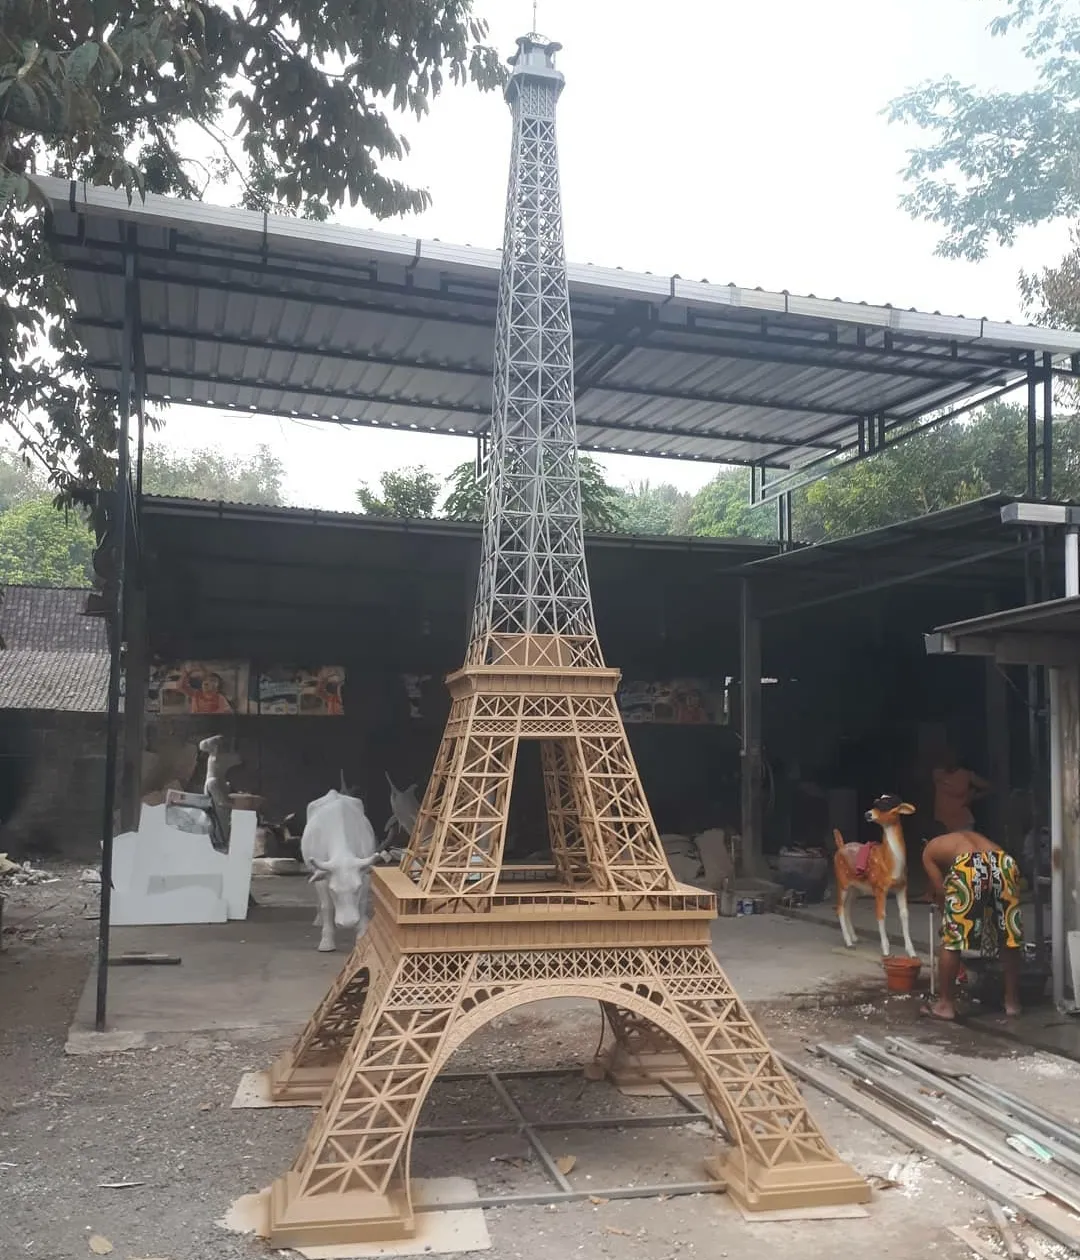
{"x":1013,"y":1151}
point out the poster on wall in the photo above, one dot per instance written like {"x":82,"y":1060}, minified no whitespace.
{"x":198,"y":687}
{"x":294,"y":690}
{"x":676,"y":702}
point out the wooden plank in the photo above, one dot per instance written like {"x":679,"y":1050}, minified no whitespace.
{"x":144,"y":960}
{"x":1053,"y":1220}
{"x":1008,"y":1235}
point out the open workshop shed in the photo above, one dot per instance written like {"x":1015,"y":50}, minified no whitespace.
{"x":195,"y":304}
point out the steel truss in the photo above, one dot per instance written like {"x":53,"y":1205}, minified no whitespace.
{"x":454,"y":942}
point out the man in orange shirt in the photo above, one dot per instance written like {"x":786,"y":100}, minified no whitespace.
{"x":955,"y":790}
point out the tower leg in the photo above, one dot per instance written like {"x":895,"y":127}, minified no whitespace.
{"x":304,"y":1072}
{"x":642,"y":1057}
{"x":351,"y":1180}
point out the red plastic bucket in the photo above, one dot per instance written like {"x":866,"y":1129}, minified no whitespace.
{"x":901,"y":973}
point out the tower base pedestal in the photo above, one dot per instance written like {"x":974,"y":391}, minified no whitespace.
{"x":328,"y":1220}
{"x":304,"y":1086}
{"x":756,"y":1188}
{"x":418,"y":985}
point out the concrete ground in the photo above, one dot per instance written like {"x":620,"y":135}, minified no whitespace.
{"x":74,"y":1127}
{"x":262,"y":977}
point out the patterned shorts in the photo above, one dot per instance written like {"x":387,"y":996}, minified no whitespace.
{"x":982,"y":903}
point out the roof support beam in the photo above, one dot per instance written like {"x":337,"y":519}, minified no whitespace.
{"x":1052,"y":650}
{"x":898,"y":579}
{"x":483,"y":296}
{"x":864,"y":362}
{"x":298,"y":390}
{"x":463,"y":409}
{"x":812,"y":470}
{"x":794,"y":352}
{"x":272,"y":345}
{"x":730,"y":400}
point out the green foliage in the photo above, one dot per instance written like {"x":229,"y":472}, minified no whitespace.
{"x":722,"y":509}
{"x":19,"y":482}
{"x":465,"y":502}
{"x":298,"y":96}
{"x":409,"y":494}
{"x":210,"y":474}
{"x":1000,"y":160}
{"x":960,"y":460}
{"x":43,"y":546}
{"x":1052,"y":294}
{"x":662,"y":509}
{"x":601,"y":502}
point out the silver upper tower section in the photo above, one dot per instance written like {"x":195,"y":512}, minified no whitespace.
{"x":533,"y":580}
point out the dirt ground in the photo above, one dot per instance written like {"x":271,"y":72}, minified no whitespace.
{"x":73,"y":1127}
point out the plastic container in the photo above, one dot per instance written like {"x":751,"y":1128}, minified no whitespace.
{"x":901,"y":972}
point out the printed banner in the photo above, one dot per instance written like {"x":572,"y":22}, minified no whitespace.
{"x":678,"y":702}
{"x":198,"y":687}
{"x":292,"y":690}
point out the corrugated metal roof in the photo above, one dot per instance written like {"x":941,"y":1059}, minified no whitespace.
{"x":1060,"y":617}
{"x":962,"y":545}
{"x":69,"y":682}
{"x":291,"y":318}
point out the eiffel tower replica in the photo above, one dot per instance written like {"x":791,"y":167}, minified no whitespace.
{"x":456,"y":940}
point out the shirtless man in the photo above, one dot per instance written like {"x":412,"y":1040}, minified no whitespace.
{"x":971,"y":877}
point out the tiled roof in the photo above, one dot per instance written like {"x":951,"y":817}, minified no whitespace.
{"x":54,"y":657}
{"x":71,"y":682}
{"x":49,"y":619}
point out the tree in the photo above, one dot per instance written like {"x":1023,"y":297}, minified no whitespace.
{"x":40,"y":546}
{"x":662,"y":509}
{"x":210,"y":474}
{"x":601,"y":502}
{"x":1000,"y":160}
{"x":960,"y":460}
{"x":722,"y":509}
{"x":407,"y":495}
{"x":19,"y":481}
{"x":296,"y":97}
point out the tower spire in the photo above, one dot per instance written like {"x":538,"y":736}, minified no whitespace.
{"x":533,"y":604}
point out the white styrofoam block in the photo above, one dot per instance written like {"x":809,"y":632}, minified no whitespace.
{"x":162,"y":875}
{"x":238,"y":864}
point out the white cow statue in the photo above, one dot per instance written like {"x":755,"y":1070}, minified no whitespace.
{"x":404,"y":808}
{"x":338,"y":847}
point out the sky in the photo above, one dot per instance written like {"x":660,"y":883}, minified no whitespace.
{"x":718,"y":140}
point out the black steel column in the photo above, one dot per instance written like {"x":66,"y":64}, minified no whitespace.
{"x":996,"y":687}
{"x":136,"y":680}
{"x":1032,"y":429}
{"x":115,"y":621}
{"x":1038,"y":814}
{"x":1048,"y":427}
{"x":750,"y":732}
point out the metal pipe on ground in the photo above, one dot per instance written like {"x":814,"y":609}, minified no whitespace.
{"x":1034,"y":1116}
{"x":956,"y":1130}
{"x":1009,"y":1125}
{"x":667,"y":1190}
{"x":975,"y":1170}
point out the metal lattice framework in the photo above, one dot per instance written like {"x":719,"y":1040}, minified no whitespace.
{"x":456,"y":940}
{"x":533,"y":579}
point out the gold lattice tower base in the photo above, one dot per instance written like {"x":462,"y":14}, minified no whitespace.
{"x":455,"y":941}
